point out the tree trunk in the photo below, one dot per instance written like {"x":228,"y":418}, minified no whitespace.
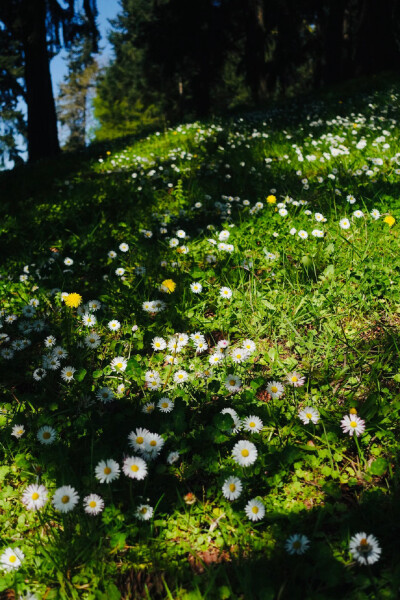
{"x":42,"y":120}
{"x":256,"y":72}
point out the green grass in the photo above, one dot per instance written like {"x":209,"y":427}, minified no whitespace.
{"x":326,"y":307}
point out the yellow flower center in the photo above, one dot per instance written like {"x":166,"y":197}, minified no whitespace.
{"x":245,"y":452}
{"x":12,"y":558}
{"x":143,"y":510}
{"x":232,"y":487}
{"x":150,"y":408}
{"x":107,"y":471}
{"x":296,"y":544}
{"x":92,"y":504}
{"x":164,"y":405}
{"x":65,"y":499}
{"x":119,"y":365}
{"x":153,"y":443}
{"x":353,"y":424}
{"x":134,"y":468}
{"x":274,"y":389}
{"x":252,"y":424}
{"x":232,"y":382}
{"x":294,"y":378}
{"x":20,"y":431}
{"x":353,"y":411}
{"x":69,"y":373}
{"x":46,"y":435}
{"x":309,"y":416}
{"x":35,"y":496}
{"x":139,"y":440}
{"x":255,"y":509}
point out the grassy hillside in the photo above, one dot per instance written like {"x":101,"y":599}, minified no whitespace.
{"x":213,"y":301}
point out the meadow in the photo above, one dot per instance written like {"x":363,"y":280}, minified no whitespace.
{"x":199,"y":361}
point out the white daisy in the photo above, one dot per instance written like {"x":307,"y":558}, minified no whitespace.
{"x":295,"y":379}
{"x":144,"y":512}
{"x":252,"y":424}
{"x":136,"y":439}
{"x":60,"y":352}
{"x":232,"y":488}
{"x":65,"y":498}
{"x":225,"y":292}
{"x":239,"y":355}
{"x":34,"y":497}
{"x":255,"y":510}
{"x":153,"y":443}
{"x":275,"y":388}
{"x":165,"y":405}
{"x":114,"y":325}
{"x":11,"y":559}
{"x":89,"y":320}
{"x":233,"y":383}
{"x":309,"y":414}
{"x":93,"y":504}
{"x":148,"y":408}
{"x":196,"y":287}
{"x":107,"y":470}
{"x":118,"y":363}
{"x":67,"y":373}
{"x":172,"y":457}
{"x":249,"y":346}
{"x":158,"y":343}
{"x":244,"y":453}
{"x":18,"y":431}
{"x":134,"y":467}
{"x":344,"y":223}
{"x":352,"y":424}
{"x":92,"y":340}
{"x":365,"y":548}
{"x":124,"y":247}
{"x":181,"y":376}
{"x":46,"y":435}
{"x":297,"y":544}
{"x":237,"y":424}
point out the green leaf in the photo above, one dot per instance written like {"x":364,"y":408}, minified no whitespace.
{"x":4,"y":470}
{"x":97,"y":374}
{"x":79,"y":375}
{"x":378,"y":467}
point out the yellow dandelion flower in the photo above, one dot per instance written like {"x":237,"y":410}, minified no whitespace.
{"x":389,"y":220}
{"x":353,"y":410}
{"x":73,"y":300}
{"x":168,"y":286}
{"x":271,"y":199}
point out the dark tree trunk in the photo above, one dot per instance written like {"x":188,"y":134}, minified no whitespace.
{"x":42,"y":120}
{"x":256,"y":71}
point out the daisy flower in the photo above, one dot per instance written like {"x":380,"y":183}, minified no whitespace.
{"x":65,"y":498}
{"x":112,"y":254}
{"x":233,"y":383}
{"x":255,"y":510}
{"x":119,"y":363}
{"x":344,"y":223}
{"x":275,"y":388}
{"x":352,"y":424}
{"x":302,"y":234}
{"x":105,"y":394}
{"x":249,"y":346}
{"x":34,"y":497}
{"x":135,"y":467}
{"x":375,"y":214}
{"x":309,"y":414}
{"x":114,"y":325}
{"x":365,"y":548}
{"x":196,"y":287}
{"x":93,"y":504}
{"x":120,"y":271}
{"x":94,"y":305}
{"x":232,"y":488}
{"x":165,"y":405}
{"x":92,"y":340}
{"x":215,"y":358}
{"x":50,"y":341}
{"x":107,"y":470}
{"x":239,"y":355}
{"x":11,"y":559}
{"x":136,"y":439}
{"x":18,"y":431}
{"x":172,"y":457}
{"x":222,"y":344}
{"x":89,"y":320}
{"x":252,"y":424}
{"x":39,"y":374}
{"x":297,"y":544}
{"x":148,"y":408}
{"x":244,"y":453}
{"x":225,"y":292}
{"x":201,"y":347}
{"x":237,"y":424}
{"x":46,"y":435}
{"x":295,"y":379}
{"x":60,"y":352}
{"x":144,"y":512}
{"x":197,"y":337}
{"x":358,"y":214}
{"x":181,"y":376}
{"x":153,"y":443}
{"x":124,"y":247}
{"x":158,"y":343}
{"x":67,"y":373}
